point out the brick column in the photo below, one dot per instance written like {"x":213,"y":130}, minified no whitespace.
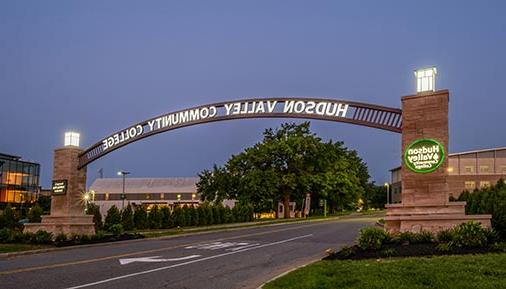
{"x":425,"y":205}
{"x":65,"y":168}
{"x":425,"y":116}
{"x":67,"y":210}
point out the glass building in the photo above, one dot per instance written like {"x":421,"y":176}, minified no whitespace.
{"x":19,"y":180}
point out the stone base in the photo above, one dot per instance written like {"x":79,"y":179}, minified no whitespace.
{"x":69,"y":225}
{"x":431,"y":218}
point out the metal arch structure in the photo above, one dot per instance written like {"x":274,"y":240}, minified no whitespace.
{"x":370,"y":115}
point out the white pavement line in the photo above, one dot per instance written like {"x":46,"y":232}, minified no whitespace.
{"x":243,"y":247}
{"x":187,"y":263}
{"x":153,"y":259}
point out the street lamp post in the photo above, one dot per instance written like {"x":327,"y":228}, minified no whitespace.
{"x":123,"y":196}
{"x":387,"y":186}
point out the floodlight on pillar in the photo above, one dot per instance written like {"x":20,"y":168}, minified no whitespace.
{"x":425,"y":79}
{"x":71,"y":139}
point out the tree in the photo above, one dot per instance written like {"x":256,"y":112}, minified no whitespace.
{"x":141,"y":217}
{"x":45,"y":203}
{"x":127,"y":218}
{"x":165,"y":215}
{"x":154,"y":217}
{"x":288,"y":163}
{"x":113,"y":217}
{"x":35,"y":213}
{"x":94,"y":210}
{"x":374,"y":196}
{"x":9,"y":218}
{"x":179,"y":217}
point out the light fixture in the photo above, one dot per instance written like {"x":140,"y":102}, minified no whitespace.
{"x":426,"y":79}
{"x":71,"y":139}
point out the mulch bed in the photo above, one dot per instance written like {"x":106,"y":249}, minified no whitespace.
{"x":397,"y":250}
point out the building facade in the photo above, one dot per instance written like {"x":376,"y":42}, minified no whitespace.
{"x":466,"y":171}
{"x":176,"y":191}
{"x":19,"y":180}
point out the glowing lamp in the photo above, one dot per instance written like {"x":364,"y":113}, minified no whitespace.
{"x":71,"y":139}
{"x":425,"y":79}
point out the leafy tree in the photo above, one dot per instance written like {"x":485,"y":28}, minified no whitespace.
{"x":127,"y":218}
{"x":374,"y":196}
{"x":155,"y":218}
{"x":165,"y":215}
{"x":288,"y":163}
{"x":490,"y":200}
{"x":113,"y":217}
{"x":9,"y":218}
{"x":94,"y":210}
{"x":45,"y":203}
{"x":35,"y":213}
{"x":201,"y":212}
{"x":141,"y":217}
{"x":179,"y":217}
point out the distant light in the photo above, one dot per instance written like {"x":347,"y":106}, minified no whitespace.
{"x":386,"y":184}
{"x":194,"y":196}
{"x":178,"y":197}
{"x":426,"y":79}
{"x":450,"y":169}
{"x":72,"y":139}
{"x":120,"y":173}
{"x":86,"y":197}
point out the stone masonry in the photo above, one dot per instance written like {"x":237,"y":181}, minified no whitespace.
{"x":425,"y":197}
{"x":67,"y":211}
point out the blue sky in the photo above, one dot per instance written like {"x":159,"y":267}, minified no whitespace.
{"x":100,"y":66}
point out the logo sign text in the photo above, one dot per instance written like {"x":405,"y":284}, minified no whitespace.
{"x":424,"y":155}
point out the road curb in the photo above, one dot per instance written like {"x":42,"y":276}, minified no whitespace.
{"x":289,"y":271}
{"x":57,"y":249}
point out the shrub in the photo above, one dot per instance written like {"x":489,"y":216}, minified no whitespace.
{"x":154,"y":218}
{"x":141,"y":217}
{"x":5,"y":235}
{"x":9,"y":218}
{"x":388,"y":252}
{"x":347,"y":251}
{"x":60,"y":238}
{"x":94,"y":210}
{"x":116,"y":229}
{"x":127,"y":218}
{"x":489,"y":201}
{"x":499,"y":247}
{"x":444,"y":236}
{"x":35,"y":213}
{"x":445,"y":247}
{"x":42,"y":237}
{"x":469,"y":235}
{"x":112,"y":218}
{"x":372,"y":238}
{"x":194,"y":215}
{"x":202,"y":215}
{"x":166,"y":221}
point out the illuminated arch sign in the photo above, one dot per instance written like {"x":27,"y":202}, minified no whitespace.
{"x":309,"y":108}
{"x":424,"y":155}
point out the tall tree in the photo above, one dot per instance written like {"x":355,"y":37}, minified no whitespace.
{"x":288,"y":163}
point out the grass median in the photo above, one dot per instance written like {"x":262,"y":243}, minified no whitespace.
{"x":463,"y":271}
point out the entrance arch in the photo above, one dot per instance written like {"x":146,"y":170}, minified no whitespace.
{"x":370,"y":115}
{"x":422,"y":123}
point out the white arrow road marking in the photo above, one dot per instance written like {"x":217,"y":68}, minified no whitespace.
{"x":188,"y":262}
{"x":154,"y":259}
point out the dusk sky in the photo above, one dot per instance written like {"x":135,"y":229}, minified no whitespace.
{"x":101,"y":66}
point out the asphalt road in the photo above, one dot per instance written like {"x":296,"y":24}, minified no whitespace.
{"x":243,"y":258}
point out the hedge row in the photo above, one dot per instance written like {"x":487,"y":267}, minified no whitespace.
{"x":161,"y":217}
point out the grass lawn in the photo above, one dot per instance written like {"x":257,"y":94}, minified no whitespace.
{"x":7,"y":248}
{"x":463,"y":271}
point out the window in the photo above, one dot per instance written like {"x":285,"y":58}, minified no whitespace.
{"x":484,"y":169}
{"x":469,"y":185}
{"x":503,"y":169}
{"x":484,"y":184}
{"x":162,"y":196}
{"x":107,"y":196}
{"x":469,"y":169}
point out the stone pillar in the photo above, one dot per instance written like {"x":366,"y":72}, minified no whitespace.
{"x":425,"y":198}
{"x":67,"y":210}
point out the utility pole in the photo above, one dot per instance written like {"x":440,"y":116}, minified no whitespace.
{"x":123,"y":195}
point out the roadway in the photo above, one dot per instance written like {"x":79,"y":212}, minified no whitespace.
{"x":243,"y":258}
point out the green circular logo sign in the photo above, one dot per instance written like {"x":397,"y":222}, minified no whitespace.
{"x":424,"y":155}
